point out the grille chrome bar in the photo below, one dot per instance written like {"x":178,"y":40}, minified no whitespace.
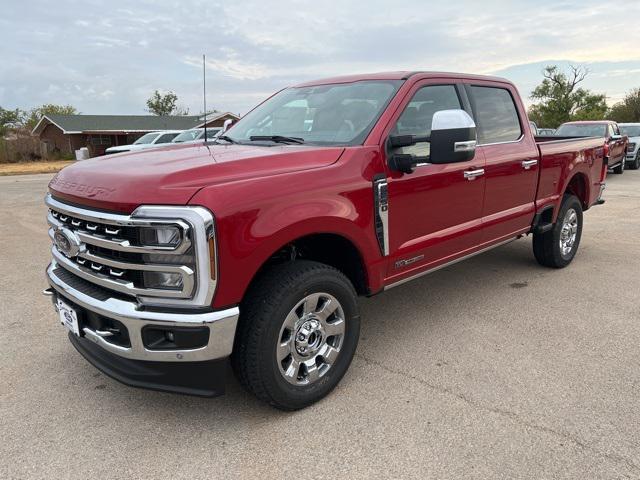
{"x":123,"y":245}
{"x":124,"y":286}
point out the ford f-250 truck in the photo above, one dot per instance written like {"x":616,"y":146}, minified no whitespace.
{"x":168,"y":262}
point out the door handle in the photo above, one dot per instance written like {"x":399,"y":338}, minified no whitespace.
{"x":527,"y":164}
{"x":473,"y":174}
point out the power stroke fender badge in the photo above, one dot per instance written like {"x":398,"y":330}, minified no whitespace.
{"x":67,"y":242}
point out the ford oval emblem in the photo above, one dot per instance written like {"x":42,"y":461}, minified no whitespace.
{"x":66,"y":242}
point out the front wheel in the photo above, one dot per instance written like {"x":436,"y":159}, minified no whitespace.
{"x":297,"y":334}
{"x":557,"y":247}
{"x":635,"y":165}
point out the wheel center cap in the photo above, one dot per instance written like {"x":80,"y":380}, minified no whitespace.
{"x":309,"y":337}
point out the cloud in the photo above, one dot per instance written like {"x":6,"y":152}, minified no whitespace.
{"x":110,"y":57}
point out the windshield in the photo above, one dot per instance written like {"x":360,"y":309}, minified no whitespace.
{"x":582,"y":130}
{"x":630,"y":130}
{"x":146,"y":139}
{"x":336,"y":114}
{"x":188,"y":135}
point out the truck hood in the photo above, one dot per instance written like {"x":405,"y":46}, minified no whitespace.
{"x":172,"y":175}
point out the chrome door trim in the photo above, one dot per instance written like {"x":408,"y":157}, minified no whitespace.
{"x":381,"y":199}
{"x":444,"y":265}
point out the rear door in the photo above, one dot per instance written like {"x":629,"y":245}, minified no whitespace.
{"x":511,"y":160}
{"x":434,"y":213}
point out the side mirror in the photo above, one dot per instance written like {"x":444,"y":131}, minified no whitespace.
{"x":226,"y":125}
{"x":614,"y":138}
{"x":452,"y":139}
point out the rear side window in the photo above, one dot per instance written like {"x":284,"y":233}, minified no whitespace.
{"x":496,"y":114}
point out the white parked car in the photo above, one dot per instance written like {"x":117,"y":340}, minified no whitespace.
{"x":196,"y":135}
{"x":632,"y":130}
{"x":149,"y":140}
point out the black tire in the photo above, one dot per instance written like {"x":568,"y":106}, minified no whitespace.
{"x":546,"y":246}
{"x":262,"y":315}
{"x":635,"y":165}
{"x":619,"y":169}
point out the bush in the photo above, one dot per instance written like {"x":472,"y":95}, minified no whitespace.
{"x":20,"y":148}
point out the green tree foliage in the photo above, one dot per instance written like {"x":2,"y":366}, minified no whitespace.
{"x":165,"y":104}
{"x":559,"y":99}
{"x":35,"y":114}
{"x":628,"y":110}
{"x":9,"y":120}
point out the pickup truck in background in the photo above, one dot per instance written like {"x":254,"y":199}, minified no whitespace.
{"x":615,"y":146}
{"x":169,"y":261}
{"x":632,"y":131}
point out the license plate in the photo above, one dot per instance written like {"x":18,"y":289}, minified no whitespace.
{"x":68,"y":317}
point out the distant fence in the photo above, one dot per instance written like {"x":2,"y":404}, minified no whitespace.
{"x":21,"y":148}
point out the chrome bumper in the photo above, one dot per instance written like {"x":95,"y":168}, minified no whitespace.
{"x":222,"y":326}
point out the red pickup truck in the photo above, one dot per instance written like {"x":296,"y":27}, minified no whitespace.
{"x":167,"y":262}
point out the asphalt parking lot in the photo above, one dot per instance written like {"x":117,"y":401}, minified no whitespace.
{"x":492,"y":368}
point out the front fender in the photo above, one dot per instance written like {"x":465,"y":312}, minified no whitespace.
{"x":257,"y":218}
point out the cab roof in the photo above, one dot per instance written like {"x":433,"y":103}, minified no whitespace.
{"x":399,"y":75}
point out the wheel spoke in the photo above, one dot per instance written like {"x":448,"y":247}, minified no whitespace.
{"x":327,"y":309}
{"x":284,"y":349}
{"x":311,"y":303}
{"x":313,"y":373}
{"x":330,"y":354}
{"x":292,"y":369}
{"x":334,"y":328}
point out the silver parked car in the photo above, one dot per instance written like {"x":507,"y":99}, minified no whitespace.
{"x":632,"y":130}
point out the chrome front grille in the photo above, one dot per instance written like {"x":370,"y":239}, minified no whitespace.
{"x":113,"y":251}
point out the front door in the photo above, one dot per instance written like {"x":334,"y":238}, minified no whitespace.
{"x":434,"y":213}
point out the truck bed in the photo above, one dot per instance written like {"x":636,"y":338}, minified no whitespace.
{"x":582,"y":155}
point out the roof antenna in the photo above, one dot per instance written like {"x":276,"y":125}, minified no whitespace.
{"x":204,"y":101}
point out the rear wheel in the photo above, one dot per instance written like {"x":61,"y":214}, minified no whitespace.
{"x":297,"y":334}
{"x":557,"y":247}
{"x":620,"y":167}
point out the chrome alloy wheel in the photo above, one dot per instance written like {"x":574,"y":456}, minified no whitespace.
{"x":569,"y":232}
{"x":310,"y":339}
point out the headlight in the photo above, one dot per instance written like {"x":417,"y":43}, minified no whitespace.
{"x":162,"y":236}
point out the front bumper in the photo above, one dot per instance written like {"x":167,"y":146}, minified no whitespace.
{"x":135,"y":363}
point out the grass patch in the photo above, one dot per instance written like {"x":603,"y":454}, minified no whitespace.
{"x":27,"y":168}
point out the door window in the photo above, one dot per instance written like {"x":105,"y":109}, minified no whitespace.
{"x":496,"y":114}
{"x":417,"y":116}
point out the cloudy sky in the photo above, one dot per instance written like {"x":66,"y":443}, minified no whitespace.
{"x":108,"y":57}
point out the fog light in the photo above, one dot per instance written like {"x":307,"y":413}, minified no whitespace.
{"x":160,"y":236}
{"x":163,"y":280}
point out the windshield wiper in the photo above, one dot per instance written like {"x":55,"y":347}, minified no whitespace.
{"x":277,"y":138}
{"x":225,"y":138}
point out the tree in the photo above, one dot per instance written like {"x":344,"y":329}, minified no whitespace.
{"x":561,"y":100}
{"x":31,"y":119}
{"x":165,"y":104}
{"x":628,"y":110}
{"x":9,"y":120}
